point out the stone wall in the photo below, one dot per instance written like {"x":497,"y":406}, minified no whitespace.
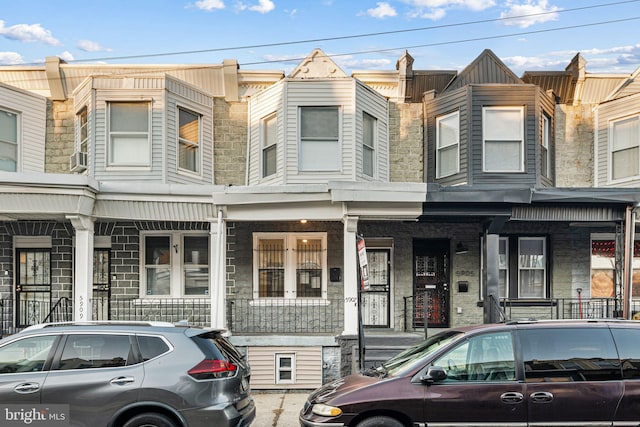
{"x":60,"y":136}
{"x":574,"y":146}
{"x":406,"y":151}
{"x":229,"y":142}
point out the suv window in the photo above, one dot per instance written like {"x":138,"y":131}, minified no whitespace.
{"x":627,"y":341}
{"x":151,"y":347}
{"x":486,"y":357}
{"x":26,"y":355}
{"x":569,"y":354}
{"x":85,"y":351}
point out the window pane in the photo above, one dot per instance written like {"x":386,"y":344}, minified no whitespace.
{"x":189,"y":126}
{"x":26,"y":355}
{"x":319,"y":122}
{"x":196,"y":250}
{"x":309,"y":267}
{"x":448,"y":131}
{"x":270,"y":131}
{"x":625,"y":134}
{"x":129,"y":149}
{"x":157,"y":259}
{"x":625,"y":163}
{"x":271,"y":254}
{"x":95,"y":351}
{"x":531,"y":253}
{"x":196,"y":253}
{"x":531,"y":284}
{"x":157,"y":250}
{"x":129,"y":117}
{"x":502,"y":124}
{"x":285,"y":362}
{"x":269,"y":161}
{"x":188,"y":157}
{"x":319,"y":155}
{"x":367,"y":161}
{"x":158,"y":281}
{"x":8,"y":127}
{"x":502,"y":156}
{"x":448,"y":161}
{"x":8,"y":156}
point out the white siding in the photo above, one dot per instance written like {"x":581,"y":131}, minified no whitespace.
{"x":262,"y":105}
{"x":32,"y":110}
{"x":308,"y":367}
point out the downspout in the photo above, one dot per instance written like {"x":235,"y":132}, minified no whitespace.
{"x":629,"y":234}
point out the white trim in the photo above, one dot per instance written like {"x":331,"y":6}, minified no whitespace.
{"x":338,"y":141}
{"x":19,"y":139}
{"x":279,"y":369}
{"x":133,"y":166}
{"x":610,"y":128}
{"x":522,"y":135}
{"x":456,"y":144}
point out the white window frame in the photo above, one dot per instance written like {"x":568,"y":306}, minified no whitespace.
{"x":440,"y":148}
{"x":143,"y":163}
{"x":545,"y":165}
{"x":504,"y":266}
{"x":369,"y":146}
{"x":82,"y":120}
{"x":522,"y":268}
{"x":279,"y":369}
{"x":268,"y":142}
{"x":189,"y":144}
{"x":18,"y":141}
{"x":611,"y":151}
{"x":322,"y":164}
{"x":290,"y":264}
{"x":176,"y":264}
{"x":485,"y":112}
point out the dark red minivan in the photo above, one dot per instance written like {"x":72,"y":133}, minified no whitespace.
{"x":528,"y":373}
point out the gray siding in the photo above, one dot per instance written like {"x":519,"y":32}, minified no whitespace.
{"x":32,"y":110}
{"x":370,"y":102}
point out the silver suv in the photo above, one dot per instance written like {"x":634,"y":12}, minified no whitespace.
{"x":123,"y":375}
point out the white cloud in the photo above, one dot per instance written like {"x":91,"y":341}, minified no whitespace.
{"x":264,"y":6}
{"x":541,"y":10}
{"x":382,"y":10}
{"x":210,"y":5}
{"x":436,"y":9}
{"x":66,"y":56}
{"x":89,"y":46}
{"x":28,"y":33}
{"x":11,"y":58}
{"x":432,"y":14}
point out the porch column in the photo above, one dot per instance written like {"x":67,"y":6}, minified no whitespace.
{"x":350,"y":276}
{"x":218,"y":274}
{"x":83,"y":268}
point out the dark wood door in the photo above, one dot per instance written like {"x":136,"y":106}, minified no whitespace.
{"x":431,"y":283}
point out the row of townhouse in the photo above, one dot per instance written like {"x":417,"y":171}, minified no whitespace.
{"x":235,"y":198}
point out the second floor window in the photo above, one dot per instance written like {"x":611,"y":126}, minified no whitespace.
{"x":503,"y":139}
{"x":8,"y":141}
{"x":188,"y":141}
{"x":625,"y":148}
{"x":545,"y":167}
{"x":289,"y":265}
{"x":129,"y":137}
{"x":448,"y":141}
{"x":319,"y":139}
{"x":84,"y":130}
{"x":269,"y":146}
{"x":369,"y":125}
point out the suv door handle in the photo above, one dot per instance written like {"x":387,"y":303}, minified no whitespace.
{"x":541,"y":397}
{"x":512,"y":397}
{"x":122,"y":380}
{"x":25,"y":388}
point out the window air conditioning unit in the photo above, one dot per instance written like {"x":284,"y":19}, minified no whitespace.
{"x":78,"y":161}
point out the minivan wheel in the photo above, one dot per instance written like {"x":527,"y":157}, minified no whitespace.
{"x":380,"y":421}
{"x":150,"y":419}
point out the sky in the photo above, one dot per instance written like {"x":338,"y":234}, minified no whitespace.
{"x":527,"y":35}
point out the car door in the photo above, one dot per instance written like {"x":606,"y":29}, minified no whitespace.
{"x":96,"y":374}
{"x":572,"y":375}
{"x":481,"y":387}
{"x":23,"y":368}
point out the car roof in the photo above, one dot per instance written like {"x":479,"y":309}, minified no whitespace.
{"x":121,"y":326}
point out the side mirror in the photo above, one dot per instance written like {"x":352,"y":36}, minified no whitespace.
{"x":434,"y":373}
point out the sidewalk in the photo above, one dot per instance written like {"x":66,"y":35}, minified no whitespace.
{"x":278,"y":409}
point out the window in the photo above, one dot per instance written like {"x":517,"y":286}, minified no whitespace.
{"x":487,"y":357}
{"x":96,"y":351}
{"x":269,"y":146}
{"x":129,"y":141}
{"x":448,"y":144}
{"x":285,"y":368}
{"x":25,"y":355}
{"x":319,"y":139}
{"x":83,"y":128}
{"x":603,"y":267}
{"x":503,"y":267}
{"x":544,"y":147}
{"x":176,"y":265}
{"x":8,"y":141}
{"x":625,"y":148}
{"x":188,"y":141}
{"x":629,"y":351}
{"x":290,"y":265}
{"x":531,"y":267}
{"x":369,"y":129}
{"x":503,"y":139}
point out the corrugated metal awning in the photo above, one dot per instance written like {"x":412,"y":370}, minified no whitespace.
{"x":568,"y":213}
{"x":154,"y":210}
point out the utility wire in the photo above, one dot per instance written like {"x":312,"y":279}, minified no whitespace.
{"x":354,"y":36}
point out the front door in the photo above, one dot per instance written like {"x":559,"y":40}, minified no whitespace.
{"x":101,"y":284}
{"x":375,"y":301}
{"x":33,"y":286}
{"x":431,"y":283}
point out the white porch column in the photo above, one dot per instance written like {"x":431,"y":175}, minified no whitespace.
{"x":350,"y":276}
{"x":218,"y":274}
{"x":83,"y":267}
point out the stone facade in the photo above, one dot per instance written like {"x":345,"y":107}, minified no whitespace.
{"x":406,"y":150}
{"x":229,"y":142}
{"x":60,"y":136}
{"x":574,"y":146}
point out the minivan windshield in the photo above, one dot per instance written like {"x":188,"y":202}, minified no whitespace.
{"x":407,"y":358}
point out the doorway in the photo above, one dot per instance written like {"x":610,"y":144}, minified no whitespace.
{"x":375,"y":301}
{"x":431,"y":283}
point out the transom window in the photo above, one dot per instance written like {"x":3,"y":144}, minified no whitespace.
{"x":448,"y":145}
{"x":188,"y":141}
{"x":319,"y":139}
{"x":503,"y":139}
{"x":129,"y":137}
{"x":269,"y":146}
{"x":625,"y":148}
{"x":8,"y":141}
{"x":176,"y":265}
{"x":290,"y":265}
{"x":369,"y":129}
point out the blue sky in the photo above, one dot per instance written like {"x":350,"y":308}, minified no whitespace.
{"x":276,"y":34}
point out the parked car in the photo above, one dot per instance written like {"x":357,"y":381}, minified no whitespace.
{"x":125,"y":375}
{"x":517,"y":374}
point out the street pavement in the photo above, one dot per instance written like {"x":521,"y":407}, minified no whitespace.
{"x":278,"y":409}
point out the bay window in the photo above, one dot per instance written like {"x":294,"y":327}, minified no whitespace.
{"x":625,"y":148}
{"x":319,"y":139}
{"x":290,"y":265}
{"x":129,"y":136}
{"x":503,"y":139}
{"x":188,"y":141}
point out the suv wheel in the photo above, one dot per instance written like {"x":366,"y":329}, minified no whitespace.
{"x":380,"y":421}
{"x":150,"y":419}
